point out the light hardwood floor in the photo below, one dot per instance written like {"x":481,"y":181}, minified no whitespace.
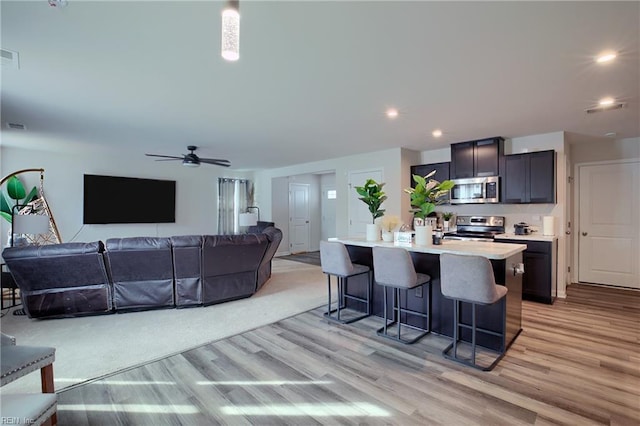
{"x":576,"y":362}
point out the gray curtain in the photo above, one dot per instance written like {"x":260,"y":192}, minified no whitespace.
{"x":233,"y":199}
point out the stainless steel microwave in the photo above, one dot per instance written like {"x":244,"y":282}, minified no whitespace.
{"x":479,"y":190}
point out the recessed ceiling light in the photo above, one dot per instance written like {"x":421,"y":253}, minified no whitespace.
{"x":392,"y":113}
{"x":606,"y":57}
{"x":611,"y":134}
{"x":437,"y":133}
{"x":606,"y":101}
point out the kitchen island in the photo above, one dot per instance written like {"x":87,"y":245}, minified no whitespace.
{"x":503,"y":316}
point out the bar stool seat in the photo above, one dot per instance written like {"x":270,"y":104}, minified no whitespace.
{"x":393,"y":268}
{"x":335,"y":260}
{"x":470,"y":279}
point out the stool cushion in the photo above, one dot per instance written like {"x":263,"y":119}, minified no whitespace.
{"x":31,"y":409}
{"x":17,"y":361}
{"x":393,"y":267}
{"x":335,"y":260}
{"x":469,"y":278}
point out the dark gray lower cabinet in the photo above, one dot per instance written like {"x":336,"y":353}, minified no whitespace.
{"x":539,"y":279}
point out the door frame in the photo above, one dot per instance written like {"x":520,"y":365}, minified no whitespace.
{"x":575,"y":240}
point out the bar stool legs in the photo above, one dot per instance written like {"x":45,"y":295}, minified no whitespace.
{"x":453,"y":346}
{"x":398,"y":310}
{"x":342,"y":297}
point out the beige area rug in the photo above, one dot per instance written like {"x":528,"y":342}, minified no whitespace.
{"x":91,"y":347}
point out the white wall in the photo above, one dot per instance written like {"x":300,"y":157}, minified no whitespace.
{"x":196,"y":189}
{"x":390,"y":161}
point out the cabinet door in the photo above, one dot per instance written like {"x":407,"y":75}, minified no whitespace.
{"x":514,"y":179}
{"x":462,"y":160}
{"x":542,"y":177}
{"x":536,"y":281}
{"x":442,"y":171}
{"x":486,"y":158}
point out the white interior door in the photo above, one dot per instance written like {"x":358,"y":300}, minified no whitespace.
{"x":359,"y":215}
{"x":299,"y":217}
{"x":609,"y":230}
{"x":328,"y":208}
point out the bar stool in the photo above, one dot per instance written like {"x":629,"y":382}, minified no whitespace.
{"x":335,"y":260}
{"x":470,"y":279}
{"x":394,"y":268}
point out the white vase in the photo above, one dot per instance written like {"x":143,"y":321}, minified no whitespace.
{"x":373,"y":232}
{"x":423,"y":236}
{"x":387,"y":236}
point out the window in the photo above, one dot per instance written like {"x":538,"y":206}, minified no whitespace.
{"x":331,"y":194}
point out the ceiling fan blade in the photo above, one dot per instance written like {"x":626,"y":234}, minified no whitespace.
{"x":219,"y":160}
{"x":169,"y":159}
{"x":215,"y":162}
{"x":164,"y":156}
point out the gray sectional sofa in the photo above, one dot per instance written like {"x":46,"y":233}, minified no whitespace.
{"x":140,"y":273}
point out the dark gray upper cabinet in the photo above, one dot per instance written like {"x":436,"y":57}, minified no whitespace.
{"x":442,"y":171}
{"x":529,"y":178}
{"x":476,"y":158}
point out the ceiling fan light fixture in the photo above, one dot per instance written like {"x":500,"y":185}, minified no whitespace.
{"x":231,"y":31}
{"x":190,"y":163}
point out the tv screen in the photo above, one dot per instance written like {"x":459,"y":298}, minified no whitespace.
{"x":114,"y":199}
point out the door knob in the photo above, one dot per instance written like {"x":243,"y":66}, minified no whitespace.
{"x":568,"y":232}
{"x":584,"y":234}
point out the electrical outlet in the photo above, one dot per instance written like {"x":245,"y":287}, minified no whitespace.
{"x":419,"y":292}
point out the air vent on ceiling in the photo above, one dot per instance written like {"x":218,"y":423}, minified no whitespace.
{"x":617,"y":105}
{"x":16,"y":126}
{"x":9,"y":58}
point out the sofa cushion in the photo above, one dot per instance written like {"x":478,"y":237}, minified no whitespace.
{"x":141,"y":269}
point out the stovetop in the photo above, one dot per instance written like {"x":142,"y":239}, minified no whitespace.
{"x":477,"y":228}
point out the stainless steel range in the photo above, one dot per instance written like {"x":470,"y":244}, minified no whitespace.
{"x":476,"y":228}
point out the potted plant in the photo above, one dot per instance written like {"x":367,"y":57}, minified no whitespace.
{"x":426,"y":194}
{"x":446,"y":217}
{"x":372,"y":195}
{"x":17,"y":192}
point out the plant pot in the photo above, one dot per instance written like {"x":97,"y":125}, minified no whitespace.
{"x":373,"y":232}
{"x":423,"y":236}
{"x":387,"y":236}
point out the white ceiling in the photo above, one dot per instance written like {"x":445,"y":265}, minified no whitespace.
{"x":314,"y":78}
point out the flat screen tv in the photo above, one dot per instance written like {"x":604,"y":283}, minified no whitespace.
{"x":115,"y":199}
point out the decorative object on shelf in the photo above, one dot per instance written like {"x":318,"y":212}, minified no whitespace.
{"x":389,"y":224}
{"x":231,"y":31}
{"x":372,"y":195}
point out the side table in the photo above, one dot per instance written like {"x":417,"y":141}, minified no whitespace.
{"x":7,"y":281}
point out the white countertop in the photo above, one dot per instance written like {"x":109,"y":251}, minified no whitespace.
{"x":536,"y":236}
{"x":497,"y":251}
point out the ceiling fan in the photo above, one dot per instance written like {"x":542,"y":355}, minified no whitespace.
{"x":191,"y":159}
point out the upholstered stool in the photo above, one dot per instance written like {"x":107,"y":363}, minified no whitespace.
{"x":29,"y":409}
{"x":470,"y":279}
{"x":335,"y":260}
{"x":393,"y":267}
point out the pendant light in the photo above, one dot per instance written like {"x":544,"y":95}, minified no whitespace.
{"x":231,"y":31}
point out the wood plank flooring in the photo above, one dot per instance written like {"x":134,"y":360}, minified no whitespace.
{"x":577,"y":362}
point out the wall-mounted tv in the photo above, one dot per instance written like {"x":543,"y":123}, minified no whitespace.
{"x":115,"y":199}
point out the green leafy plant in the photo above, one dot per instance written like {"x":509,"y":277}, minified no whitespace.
{"x":427,"y":194}
{"x":447,"y":215}
{"x":15,"y":191}
{"x":373,"y":196}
